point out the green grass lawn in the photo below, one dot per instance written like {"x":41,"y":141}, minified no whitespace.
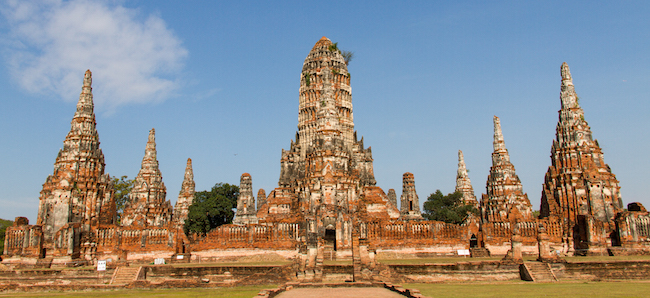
{"x":235,"y":292}
{"x":529,"y":289}
{"x":493,"y":289}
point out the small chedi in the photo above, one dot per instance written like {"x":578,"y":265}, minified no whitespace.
{"x":463,"y":184}
{"x":327,"y":204}
{"x":147,"y":205}
{"x":185,"y":196}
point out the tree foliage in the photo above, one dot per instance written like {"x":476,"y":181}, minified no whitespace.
{"x":449,"y":208}
{"x":3,"y":228}
{"x":347,"y":56}
{"x":122,"y":187}
{"x":212,"y":208}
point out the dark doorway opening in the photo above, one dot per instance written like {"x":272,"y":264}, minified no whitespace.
{"x":330,"y":238}
{"x":473,"y":241}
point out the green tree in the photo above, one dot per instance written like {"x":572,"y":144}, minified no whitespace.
{"x":449,"y":208}
{"x":122,"y":187}
{"x":3,"y":228}
{"x":212,"y":208}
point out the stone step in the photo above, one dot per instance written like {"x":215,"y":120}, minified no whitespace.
{"x":124,"y":275}
{"x":540,"y":272}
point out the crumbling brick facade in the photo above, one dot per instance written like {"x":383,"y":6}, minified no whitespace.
{"x":327,"y":203}
{"x":147,"y":204}
{"x":580,"y":191}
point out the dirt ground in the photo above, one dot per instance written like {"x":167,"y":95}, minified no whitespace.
{"x":339,"y":293}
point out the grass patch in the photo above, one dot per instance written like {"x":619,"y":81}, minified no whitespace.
{"x":235,"y":292}
{"x":529,"y":289}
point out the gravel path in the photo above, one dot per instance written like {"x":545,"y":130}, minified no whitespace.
{"x":339,"y":293}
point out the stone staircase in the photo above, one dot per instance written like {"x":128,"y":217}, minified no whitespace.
{"x":479,"y":252}
{"x":537,"y":272}
{"x":43,"y":263}
{"x":329,"y":253}
{"x":125,"y":275}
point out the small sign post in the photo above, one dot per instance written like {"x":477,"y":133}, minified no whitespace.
{"x":101,"y":265}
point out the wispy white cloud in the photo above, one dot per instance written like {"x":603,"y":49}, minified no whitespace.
{"x":134,"y":58}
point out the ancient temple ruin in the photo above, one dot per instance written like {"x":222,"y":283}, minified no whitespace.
{"x":185,"y":196}
{"x":147,"y":204}
{"x":463,"y":184}
{"x":580,"y":191}
{"x":505,"y":200}
{"x":78,"y":195}
{"x":327,"y":204}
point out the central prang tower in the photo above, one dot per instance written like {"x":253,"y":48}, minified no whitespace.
{"x":326,"y":177}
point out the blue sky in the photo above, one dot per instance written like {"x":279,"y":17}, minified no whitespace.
{"x":219,"y":82}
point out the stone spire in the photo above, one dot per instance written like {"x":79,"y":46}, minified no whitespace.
{"x":505,"y":199}
{"x":185,"y":196}
{"x":463,"y":184}
{"x":261,"y":198}
{"x":578,"y":184}
{"x":410,"y":203}
{"x":498,"y":144}
{"x":392,"y":197}
{"x":325,"y":96}
{"x":245,"y":202}
{"x":147,"y":205}
{"x":79,"y":191}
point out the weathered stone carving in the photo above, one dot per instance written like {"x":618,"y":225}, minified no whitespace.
{"x":409,"y":201}
{"x":261,"y":198}
{"x":245,"y":202}
{"x":185,"y":196}
{"x":463,"y":184}
{"x":580,"y":190}
{"x":505,"y":200}
{"x":147,"y":205}
{"x":78,"y":191}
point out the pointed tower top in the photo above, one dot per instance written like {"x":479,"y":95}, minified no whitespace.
{"x":324,"y":41}
{"x":499,"y":143}
{"x":566,"y":73}
{"x":150,"y":151}
{"x":88,"y":78}
{"x":85,"y":106}
{"x":462,"y":170}
{"x":568,"y":96}
{"x":189,"y":173}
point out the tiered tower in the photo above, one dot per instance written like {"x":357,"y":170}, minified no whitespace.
{"x":326,"y":170}
{"x":409,"y":201}
{"x":147,"y":205}
{"x":505,"y":200}
{"x":463,"y":184}
{"x":185,"y":196}
{"x":245,"y":202}
{"x":79,"y":191}
{"x":579,"y":189}
{"x":261,"y":198}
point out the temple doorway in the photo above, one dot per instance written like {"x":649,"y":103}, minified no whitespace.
{"x":329,"y":244}
{"x":473,"y":241}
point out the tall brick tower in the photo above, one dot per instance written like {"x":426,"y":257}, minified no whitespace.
{"x":185,"y":196}
{"x":147,"y":205}
{"x":79,"y":194}
{"x":463,"y":184}
{"x":505,"y":200}
{"x":579,"y":189}
{"x":327,"y":171}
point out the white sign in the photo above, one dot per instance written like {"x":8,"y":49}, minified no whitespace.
{"x":463,"y":252}
{"x":159,"y":261}
{"x":179,"y":257}
{"x":101,"y":265}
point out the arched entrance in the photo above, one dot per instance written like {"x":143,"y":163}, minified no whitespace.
{"x":473,"y":241}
